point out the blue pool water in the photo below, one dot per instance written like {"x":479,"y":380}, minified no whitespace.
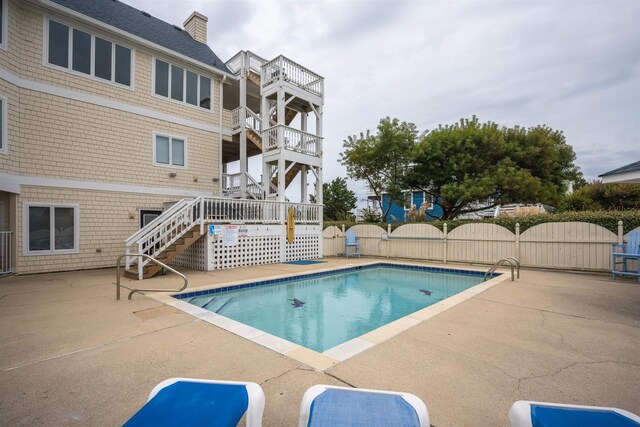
{"x":320,"y":311}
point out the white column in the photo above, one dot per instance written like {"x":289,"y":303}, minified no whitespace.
{"x":264,"y":115}
{"x":243,"y":126}
{"x":304,"y":197}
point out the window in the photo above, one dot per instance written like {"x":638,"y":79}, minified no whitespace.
{"x":169,"y":151}
{"x":4,"y":12}
{"x":102,"y":60}
{"x":171,"y":81}
{"x":58,"y":44}
{"x":87,"y":54}
{"x":407,"y":200}
{"x":3,"y":125}
{"x":81,"y":51}
{"x":426,"y":200}
{"x":50,"y":229}
{"x":148,"y":215}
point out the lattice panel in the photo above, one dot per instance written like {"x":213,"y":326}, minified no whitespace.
{"x":195,"y":256}
{"x":249,"y":250}
{"x":304,"y":246}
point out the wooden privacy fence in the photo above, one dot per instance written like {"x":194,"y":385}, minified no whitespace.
{"x":557,"y":245}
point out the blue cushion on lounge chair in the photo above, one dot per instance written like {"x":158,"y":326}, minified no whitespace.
{"x":549,"y":416}
{"x":357,"y":408}
{"x":194,"y":404}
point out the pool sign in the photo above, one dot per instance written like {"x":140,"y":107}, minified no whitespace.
{"x":230,"y":235}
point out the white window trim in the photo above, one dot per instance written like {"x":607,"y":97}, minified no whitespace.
{"x":91,"y":76}
{"x":25,"y":228}
{"x":184,"y":85}
{"x":4,"y":4}
{"x":171,"y":137}
{"x":5,"y":125}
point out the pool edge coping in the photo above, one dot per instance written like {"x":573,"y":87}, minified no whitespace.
{"x":330,"y":357}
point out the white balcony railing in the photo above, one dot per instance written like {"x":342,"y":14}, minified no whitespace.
{"x":285,"y":69}
{"x":6,"y":264}
{"x":231,"y":183}
{"x":252,"y":120}
{"x":252,"y":62}
{"x":292,"y":139}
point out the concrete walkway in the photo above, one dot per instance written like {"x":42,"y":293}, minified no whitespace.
{"x":72,"y":355}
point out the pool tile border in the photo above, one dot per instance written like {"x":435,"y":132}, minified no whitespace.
{"x":186,"y":295}
{"x":341,"y":352}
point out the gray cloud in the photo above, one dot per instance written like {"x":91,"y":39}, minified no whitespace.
{"x":573,"y":65}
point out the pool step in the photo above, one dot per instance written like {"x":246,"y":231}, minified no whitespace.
{"x":211,"y":303}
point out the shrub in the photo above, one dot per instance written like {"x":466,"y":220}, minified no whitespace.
{"x":606,"y":219}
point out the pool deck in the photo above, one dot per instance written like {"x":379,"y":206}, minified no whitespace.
{"x":72,"y":355}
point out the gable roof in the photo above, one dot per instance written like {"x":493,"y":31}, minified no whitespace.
{"x":631,"y":167}
{"x":143,"y":25}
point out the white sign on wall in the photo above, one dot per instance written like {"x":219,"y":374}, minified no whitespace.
{"x":230,"y":235}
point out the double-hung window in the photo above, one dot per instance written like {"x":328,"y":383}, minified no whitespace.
{"x":50,"y":228}
{"x":169,"y":151}
{"x":84,"y":53}
{"x":180,"y":84}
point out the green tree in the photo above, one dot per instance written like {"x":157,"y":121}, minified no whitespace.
{"x":382,"y":160}
{"x":338,"y":200}
{"x":599,"y":196}
{"x":469,"y":161}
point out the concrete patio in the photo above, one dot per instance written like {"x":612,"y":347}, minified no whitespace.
{"x":70,"y":354}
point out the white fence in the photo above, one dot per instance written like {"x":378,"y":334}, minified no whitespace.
{"x":555,"y":245}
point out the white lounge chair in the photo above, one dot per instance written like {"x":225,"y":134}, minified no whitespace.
{"x":542,"y":414}
{"x":324,"y":405}
{"x":194,"y":402}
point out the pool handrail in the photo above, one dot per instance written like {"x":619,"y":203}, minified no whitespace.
{"x":513,"y":262}
{"x":133,"y":291}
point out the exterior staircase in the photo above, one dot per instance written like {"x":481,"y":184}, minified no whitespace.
{"x":165,"y":237}
{"x":168,"y":255}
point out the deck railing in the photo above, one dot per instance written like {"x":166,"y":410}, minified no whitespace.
{"x":252,"y":120}
{"x":253,"y":61}
{"x":188,"y":213}
{"x":282,"y":68}
{"x":6,"y":264}
{"x":231,"y":183}
{"x":281,"y":136}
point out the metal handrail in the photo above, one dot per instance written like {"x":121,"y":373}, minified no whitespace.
{"x":133,"y":291}
{"x":513,"y":262}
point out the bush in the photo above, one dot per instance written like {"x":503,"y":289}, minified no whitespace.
{"x":606,"y":219}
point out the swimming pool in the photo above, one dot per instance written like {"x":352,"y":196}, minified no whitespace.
{"x":320,"y":311}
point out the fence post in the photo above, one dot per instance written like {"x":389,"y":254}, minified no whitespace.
{"x":444,"y":243}
{"x":517,"y":255}
{"x":388,"y":239}
{"x":344,"y":238}
{"x":620,"y":233}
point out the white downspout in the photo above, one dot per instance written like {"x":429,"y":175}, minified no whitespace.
{"x":221,"y":90}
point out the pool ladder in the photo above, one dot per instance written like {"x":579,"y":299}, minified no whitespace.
{"x":512,"y":261}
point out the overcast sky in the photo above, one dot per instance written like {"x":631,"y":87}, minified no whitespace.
{"x":572,"y":65}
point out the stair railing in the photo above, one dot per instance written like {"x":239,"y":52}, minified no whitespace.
{"x":133,"y":291}
{"x":170,"y":227}
{"x":151,"y":225}
{"x":254,"y":188}
{"x":512,"y":261}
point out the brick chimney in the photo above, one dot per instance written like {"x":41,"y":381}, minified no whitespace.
{"x":196,"y":26}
